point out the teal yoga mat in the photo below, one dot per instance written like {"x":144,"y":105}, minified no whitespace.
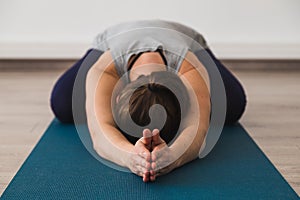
{"x":60,"y":167}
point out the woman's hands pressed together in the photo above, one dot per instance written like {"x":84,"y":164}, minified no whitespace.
{"x":151,"y":156}
{"x":140,"y":159}
{"x":162,"y":157}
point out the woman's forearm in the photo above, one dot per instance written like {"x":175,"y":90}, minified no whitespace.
{"x":187,"y":146}
{"x":110,"y":144}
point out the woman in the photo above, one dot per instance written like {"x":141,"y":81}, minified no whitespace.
{"x":148,"y":55}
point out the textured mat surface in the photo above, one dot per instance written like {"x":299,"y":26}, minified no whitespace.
{"x":60,"y":167}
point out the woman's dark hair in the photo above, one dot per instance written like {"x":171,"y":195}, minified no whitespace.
{"x":156,"y":88}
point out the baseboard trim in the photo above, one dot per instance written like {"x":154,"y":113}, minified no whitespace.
{"x":63,"y":64}
{"x":262,"y":65}
{"x":35,"y":64}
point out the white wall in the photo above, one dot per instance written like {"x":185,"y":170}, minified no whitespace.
{"x":233,"y":28}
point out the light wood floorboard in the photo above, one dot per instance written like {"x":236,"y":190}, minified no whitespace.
{"x":272,"y":117}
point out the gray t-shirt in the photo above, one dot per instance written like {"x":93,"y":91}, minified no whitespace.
{"x":130,"y":38}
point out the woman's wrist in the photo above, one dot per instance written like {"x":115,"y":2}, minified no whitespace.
{"x":177,"y":156}
{"x":126,"y":155}
{"x":174,"y":163}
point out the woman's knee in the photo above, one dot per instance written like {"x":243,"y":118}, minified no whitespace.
{"x":61,"y":105}
{"x":236,"y":106}
{"x":61,"y":96}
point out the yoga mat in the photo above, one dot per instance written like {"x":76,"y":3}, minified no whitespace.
{"x":59,"y":167}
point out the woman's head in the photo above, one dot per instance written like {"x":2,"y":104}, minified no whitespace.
{"x":164,"y":88}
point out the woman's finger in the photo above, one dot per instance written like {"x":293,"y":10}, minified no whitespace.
{"x":154,"y":167}
{"x":156,"y":153}
{"x":138,"y":160}
{"x":146,"y":177}
{"x":152,"y":172}
{"x":152,"y":177}
{"x":141,"y":169}
{"x":155,"y":137}
{"x":142,"y":150}
{"x":143,"y":172}
{"x":145,"y":155}
{"x":147,"y":137}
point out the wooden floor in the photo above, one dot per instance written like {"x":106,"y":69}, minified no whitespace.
{"x":272,"y":117}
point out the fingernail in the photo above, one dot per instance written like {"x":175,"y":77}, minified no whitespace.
{"x":155,"y":131}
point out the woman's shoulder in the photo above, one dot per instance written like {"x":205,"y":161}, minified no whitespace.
{"x":106,"y":64}
{"x":191,"y":64}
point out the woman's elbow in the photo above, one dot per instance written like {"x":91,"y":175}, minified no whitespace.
{"x":195,"y":154}
{"x":198,"y":147}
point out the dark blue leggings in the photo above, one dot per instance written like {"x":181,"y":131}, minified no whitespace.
{"x":61,"y":97}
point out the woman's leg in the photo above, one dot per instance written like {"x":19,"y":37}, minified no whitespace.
{"x":61,"y":96}
{"x":235,"y":94}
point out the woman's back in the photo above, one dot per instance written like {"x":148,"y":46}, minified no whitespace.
{"x":131,"y":38}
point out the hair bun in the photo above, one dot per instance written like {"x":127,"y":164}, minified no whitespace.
{"x":153,"y":87}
